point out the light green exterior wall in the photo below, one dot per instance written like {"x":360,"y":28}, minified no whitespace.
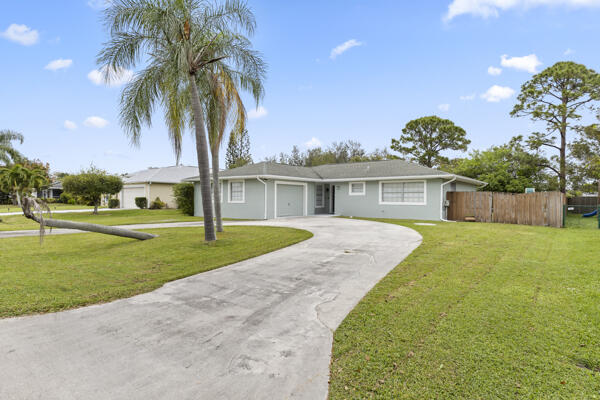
{"x":367,"y":205}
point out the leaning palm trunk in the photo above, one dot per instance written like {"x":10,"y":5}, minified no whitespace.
{"x":29,"y":205}
{"x":203,"y":168}
{"x":217,"y":190}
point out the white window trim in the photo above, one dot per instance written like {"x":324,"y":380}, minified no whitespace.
{"x":399,"y":203}
{"x":243,"y":182}
{"x":322,"y":195}
{"x":305,"y":190}
{"x":364,"y":189}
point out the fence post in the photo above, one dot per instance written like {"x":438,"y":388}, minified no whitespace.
{"x":598,"y":216}
{"x":564,"y":216}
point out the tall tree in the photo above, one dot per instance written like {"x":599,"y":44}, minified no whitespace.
{"x":92,"y":184}
{"x":238,"y":149}
{"x":179,"y":43}
{"x":8,"y":154}
{"x":424,"y":139}
{"x":506,"y":168}
{"x":556,"y":97}
{"x":585,"y":159}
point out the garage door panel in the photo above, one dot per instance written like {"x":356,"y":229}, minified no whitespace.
{"x":290,"y":200}
{"x":129,"y":195}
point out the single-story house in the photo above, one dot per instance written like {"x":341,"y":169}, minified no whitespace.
{"x":152,"y":183}
{"x":382,"y":189}
{"x":53,"y":191}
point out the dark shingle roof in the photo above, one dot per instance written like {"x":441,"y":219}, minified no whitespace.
{"x":359,"y":170}
{"x":374,"y":169}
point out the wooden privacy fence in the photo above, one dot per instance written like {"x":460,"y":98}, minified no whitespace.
{"x":544,"y":209}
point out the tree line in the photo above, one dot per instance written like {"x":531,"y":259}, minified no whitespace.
{"x":564,"y":155}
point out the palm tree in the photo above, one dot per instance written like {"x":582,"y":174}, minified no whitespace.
{"x":224,"y":106}
{"x":178,"y":41}
{"x":20,"y":180}
{"x":8,"y":154}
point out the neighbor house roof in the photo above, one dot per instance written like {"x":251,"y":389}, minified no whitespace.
{"x":369,"y":170}
{"x":174,"y":174}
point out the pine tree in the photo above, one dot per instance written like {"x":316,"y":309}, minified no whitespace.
{"x":238,"y":150}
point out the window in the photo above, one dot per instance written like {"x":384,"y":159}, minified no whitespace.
{"x":319,"y":196}
{"x":356,"y":189}
{"x":236,"y":191}
{"x":412,"y":192}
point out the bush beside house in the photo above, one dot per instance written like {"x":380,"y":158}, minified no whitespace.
{"x":141,"y":202}
{"x":157,"y":204}
{"x":184,"y":197}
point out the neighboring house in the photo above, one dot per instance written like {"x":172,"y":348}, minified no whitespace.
{"x":384,"y":189}
{"x":152,"y":183}
{"x":53,"y":191}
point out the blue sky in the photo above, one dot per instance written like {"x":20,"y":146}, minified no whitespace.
{"x":396,"y":61}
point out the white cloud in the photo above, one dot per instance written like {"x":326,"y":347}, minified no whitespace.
{"x":95,"y":122}
{"x":312,"y":143}
{"x":496,"y":93}
{"x":259,"y":112}
{"x":21,"y":34}
{"x":122,"y":77}
{"x":492,"y":8}
{"x":58,"y":64}
{"x":526,"y":63}
{"x":342,"y":48}
{"x":444,"y":107}
{"x":70,"y":125}
{"x":494,"y":71}
{"x":568,"y":52}
{"x":467,"y":97}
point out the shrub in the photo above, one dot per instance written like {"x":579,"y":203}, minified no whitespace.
{"x":113,"y":203}
{"x":157,"y":204}
{"x":141,"y":202}
{"x":184,"y":197}
{"x":65,"y":198}
{"x":51,"y":200}
{"x":72,"y":202}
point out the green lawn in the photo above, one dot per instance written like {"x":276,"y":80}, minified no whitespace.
{"x":53,"y":206}
{"x":478,"y":311}
{"x":116,"y":217}
{"x":74,"y":270}
{"x":577,"y":221}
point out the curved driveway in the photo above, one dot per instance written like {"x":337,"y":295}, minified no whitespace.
{"x":258,"y":329}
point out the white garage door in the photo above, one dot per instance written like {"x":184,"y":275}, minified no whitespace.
{"x":129,"y":195}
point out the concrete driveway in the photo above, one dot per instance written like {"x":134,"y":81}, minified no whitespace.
{"x":258,"y":329}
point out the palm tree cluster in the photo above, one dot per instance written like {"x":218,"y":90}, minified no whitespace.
{"x":194,"y":59}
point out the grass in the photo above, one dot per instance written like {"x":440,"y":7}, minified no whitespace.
{"x":116,"y":217}
{"x":478,"y":311}
{"x":578,"y":222}
{"x":53,"y":207}
{"x":80,"y":269}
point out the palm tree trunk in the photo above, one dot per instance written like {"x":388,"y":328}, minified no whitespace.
{"x":26,"y":206}
{"x":203,"y":168}
{"x":216,"y":189}
{"x":82,"y":226}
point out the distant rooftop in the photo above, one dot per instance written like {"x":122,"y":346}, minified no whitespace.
{"x":173,"y":174}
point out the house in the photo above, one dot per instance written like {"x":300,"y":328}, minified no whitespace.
{"x":53,"y":191}
{"x":152,"y":183}
{"x":384,"y":189}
